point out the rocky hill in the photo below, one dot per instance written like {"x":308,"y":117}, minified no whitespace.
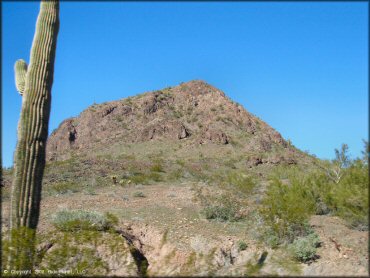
{"x":193,"y":112}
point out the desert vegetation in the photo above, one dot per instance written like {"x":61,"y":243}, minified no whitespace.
{"x":288,"y":205}
{"x":277,"y":206}
{"x":274,"y":206}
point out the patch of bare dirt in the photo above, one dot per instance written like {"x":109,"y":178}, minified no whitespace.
{"x":344,"y":252}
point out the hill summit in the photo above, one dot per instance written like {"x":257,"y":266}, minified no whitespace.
{"x":193,"y":114}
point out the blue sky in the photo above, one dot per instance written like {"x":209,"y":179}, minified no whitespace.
{"x":302,"y":67}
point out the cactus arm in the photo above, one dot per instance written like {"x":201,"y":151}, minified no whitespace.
{"x":20,"y":69}
{"x":29,"y":157}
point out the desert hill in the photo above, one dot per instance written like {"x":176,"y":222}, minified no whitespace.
{"x":193,"y":112}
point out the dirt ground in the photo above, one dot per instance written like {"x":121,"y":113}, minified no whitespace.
{"x":343,"y":251}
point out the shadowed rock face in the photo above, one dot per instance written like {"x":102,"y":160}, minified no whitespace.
{"x":194,"y":111}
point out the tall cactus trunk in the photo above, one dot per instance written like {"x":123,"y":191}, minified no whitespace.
{"x":34,"y":84}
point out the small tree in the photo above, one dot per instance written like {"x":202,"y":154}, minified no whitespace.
{"x":335,"y":168}
{"x":366,"y":152}
{"x":340,"y":162}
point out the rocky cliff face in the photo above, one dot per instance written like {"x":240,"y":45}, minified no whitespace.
{"x":194,"y":111}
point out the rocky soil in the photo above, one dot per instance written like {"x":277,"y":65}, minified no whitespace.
{"x":343,"y":252}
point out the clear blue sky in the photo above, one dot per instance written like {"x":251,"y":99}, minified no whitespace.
{"x":302,"y":67}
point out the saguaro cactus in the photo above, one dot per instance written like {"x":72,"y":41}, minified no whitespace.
{"x":34,"y":84}
{"x":20,"y":69}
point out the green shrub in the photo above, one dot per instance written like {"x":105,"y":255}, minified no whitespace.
{"x":176,"y":175}
{"x":221,"y":213}
{"x":347,"y":199}
{"x":157,"y":167}
{"x":23,"y":238}
{"x":272,"y":240}
{"x":350,"y":199}
{"x":124,"y":182}
{"x":304,"y":248}
{"x":139,"y":178}
{"x":62,"y":188}
{"x":223,"y":208}
{"x":242,"y":245}
{"x":180,"y":162}
{"x":242,"y":182}
{"x":138,"y":194}
{"x":155,"y":177}
{"x":287,"y":208}
{"x":74,"y":220}
{"x":76,"y":251}
{"x":344,"y":194}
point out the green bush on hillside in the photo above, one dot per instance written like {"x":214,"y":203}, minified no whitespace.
{"x":242,"y":245}
{"x":62,"y":188}
{"x":304,"y":248}
{"x":220,"y":213}
{"x":288,"y":206}
{"x":157,"y":167}
{"x":74,"y":220}
{"x":349,"y":199}
{"x":241,"y":181}
{"x":222,"y":208}
{"x":345,"y":193}
{"x":286,"y":209}
{"x":141,"y":178}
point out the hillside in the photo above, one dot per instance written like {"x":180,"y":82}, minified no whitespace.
{"x":171,"y":183}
